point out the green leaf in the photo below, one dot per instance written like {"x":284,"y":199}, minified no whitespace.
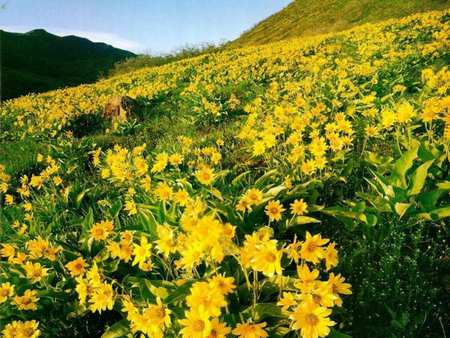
{"x":419,"y":177}
{"x":117,"y":330}
{"x":444,"y":185}
{"x":402,"y":165}
{"x":429,"y":199}
{"x":80,"y":197}
{"x":240,"y":177}
{"x":337,"y":334}
{"x":149,"y":222}
{"x":305,"y":220}
{"x":401,"y":208}
{"x":265,"y":310}
{"x":179,"y":294}
{"x":115,"y":208}
{"x":88,"y":220}
{"x":440,"y":213}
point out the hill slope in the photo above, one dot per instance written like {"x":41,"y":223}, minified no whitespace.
{"x":38,"y":61}
{"x":310,"y":17}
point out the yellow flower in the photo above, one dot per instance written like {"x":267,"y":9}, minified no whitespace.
{"x":181,"y":197}
{"x":248,"y":330}
{"x":287,"y":300}
{"x":224,"y":284}
{"x":83,"y":290}
{"x":338,"y":287}
{"x":35,"y":271}
{"x":102,"y":298}
{"x":218,"y":329}
{"x":299,"y":207}
{"x":20,"y":329}
{"x":28,"y":301}
{"x":7,"y":251}
{"x":195,"y":325}
{"x":312,"y":250}
{"x":175,"y":159}
{"x":101,"y":230}
{"x":205,"y":298}
{"x":6,"y":290}
{"x":307,"y":278}
{"x":130,"y":207}
{"x":76,"y":267}
{"x":161,"y":162}
{"x":9,"y":199}
{"x":405,"y":112}
{"x":388,"y":118}
{"x":153,"y":320}
{"x":331,"y":256}
{"x":163,"y":192}
{"x":142,"y":253}
{"x":167,"y":241}
{"x":311,"y":320}
{"x":267,"y":258}
{"x":274,"y":210}
{"x":254,"y":196}
{"x":205,"y":175}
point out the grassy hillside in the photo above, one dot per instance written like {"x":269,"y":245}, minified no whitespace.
{"x":311,"y":17}
{"x":293,"y":189}
{"x":38,"y":61}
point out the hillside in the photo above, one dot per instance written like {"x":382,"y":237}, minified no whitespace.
{"x":311,"y":17}
{"x":38,"y":61}
{"x":296,"y":189}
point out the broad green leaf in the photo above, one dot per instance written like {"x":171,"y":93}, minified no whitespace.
{"x":429,"y":199}
{"x":115,"y":208}
{"x":117,"y":330}
{"x":148,"y":222}
{"x":403,"y":164}
{"x":265,"y":310}
{"x":419,"y":177}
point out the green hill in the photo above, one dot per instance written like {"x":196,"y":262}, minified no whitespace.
{"x":310,"y":17}
{"x":38,"y":61}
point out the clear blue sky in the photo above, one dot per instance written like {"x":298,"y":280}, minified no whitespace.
{"x":155,"y":26}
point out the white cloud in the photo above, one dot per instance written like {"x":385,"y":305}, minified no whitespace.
{"x":109,"y":38}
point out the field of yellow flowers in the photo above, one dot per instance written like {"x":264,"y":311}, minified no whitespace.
{"x":295,"y":189}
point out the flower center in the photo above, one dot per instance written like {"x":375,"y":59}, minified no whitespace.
{"x":198,"y":325}
{"x":312,"y":319}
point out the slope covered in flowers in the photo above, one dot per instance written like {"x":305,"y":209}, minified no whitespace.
{"x":293,"y":189}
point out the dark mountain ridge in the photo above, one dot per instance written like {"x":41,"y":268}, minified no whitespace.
{"x":38,"y":61}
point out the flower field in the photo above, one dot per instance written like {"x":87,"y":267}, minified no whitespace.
{"x":294,"y":189}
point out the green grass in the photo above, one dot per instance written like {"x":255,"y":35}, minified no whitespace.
{"x":311,"y":17}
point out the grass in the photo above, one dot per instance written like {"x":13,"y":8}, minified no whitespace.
{"x":310,"y":17}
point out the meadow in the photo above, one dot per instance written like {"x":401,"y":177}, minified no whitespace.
{"x":293,"y":189}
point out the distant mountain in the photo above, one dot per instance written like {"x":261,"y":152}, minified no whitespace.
{"x":310,"y":17}
{"x":38,"y":61}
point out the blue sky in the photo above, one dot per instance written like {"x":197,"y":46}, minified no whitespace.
{"x":155,"y":26}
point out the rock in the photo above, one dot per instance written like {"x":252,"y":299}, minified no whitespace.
{"x":119,"y":108}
